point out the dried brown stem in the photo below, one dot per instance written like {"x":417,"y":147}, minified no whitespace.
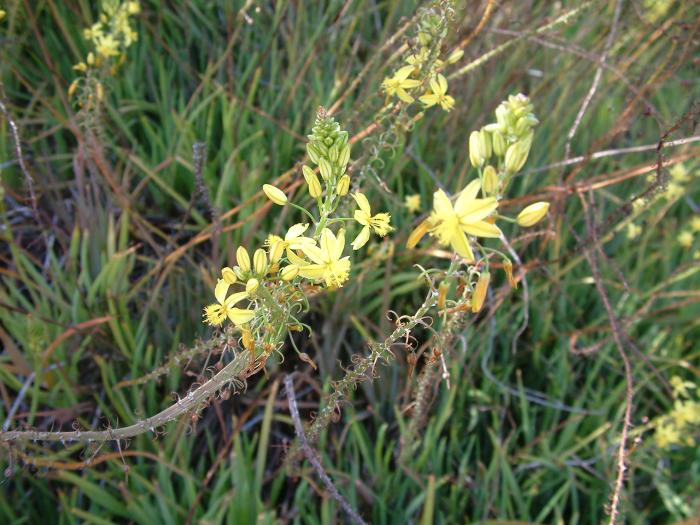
{"x":312,"y":456}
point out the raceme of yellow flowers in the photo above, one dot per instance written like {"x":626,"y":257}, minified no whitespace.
{"x":424,"y":70}
{"x":273,"y":285}
{"x":311,"y":254}
{"x":498,"y":151}
{"x":109,"y":38}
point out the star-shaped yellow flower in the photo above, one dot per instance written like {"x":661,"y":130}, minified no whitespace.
{"x":293,"y":240}
{"x":327,"y":261}
{"x":215,"y":314}
{"x":438,"y":86}
{"x":399,"y":83}
{"x":379,"y":222}
{"x":412,"y":203}
{"x":452,"y":224}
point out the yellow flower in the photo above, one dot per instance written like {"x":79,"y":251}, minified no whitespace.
{"x":673,"y":191}
{"x":695,"y":224}
{"x":679,"y":173}
{"x":343,"y":186}
{"x":451,"y":224}
{"x":379,"y":222}
{"x":2,"y":14}
{"x":215,"y":314}
{"x":438,"y":86}
{"x":327,"y":263}
{"x":315,"y":189}
{"x":685,"y":239}
{"x":106,"y":46}
{"x":412,"y":203}
{"x":633,"y":230}
{"x":275,"y":194}
{"x":532,"y":214}
{"x":293,"y":240}
{"x":399,"y":83}
{"x":228,"y":275}
{"x":243,"y":259}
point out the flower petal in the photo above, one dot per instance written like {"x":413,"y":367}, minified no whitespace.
{"x":314,"y":253}
{"x":362,"y":202}
{"x":477,"y":210}
{"x":220,"y":290}
{"x":441,"y":203}
{"x":339,"y":244}
{"x":240,"y":315}
{"x":295,"y":259}
{"x":295,"y":231}
{"x":403,"y":73}
{"x":467,"y":195}
{"x":460,"y":243}
{"x":361,"y":239}
{"x":429,"y":99}
{"x":482,"y":229}
{"x":312,"y":271}
{"x":234,"y":299}
{"x":403,"y":95}
{"x":442,"y":83}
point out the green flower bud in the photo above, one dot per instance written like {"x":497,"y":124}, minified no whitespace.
{"x":490,"y":181}
{"x":243,"y":259}
{"x":260,"y":262}
{"x":499,"y":143}
{"x":343,"y":185}
{"x":315,"y":189}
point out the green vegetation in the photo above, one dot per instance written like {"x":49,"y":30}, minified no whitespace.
{"x":116,"y":224}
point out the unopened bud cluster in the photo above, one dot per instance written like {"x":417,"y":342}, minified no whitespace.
{"x":505,"y":144}
{"x":329,"y":150}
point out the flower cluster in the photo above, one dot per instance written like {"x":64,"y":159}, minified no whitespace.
{"x":676,"y":427}
{"x":109,"y":38}
{"x":309,"y":255}
{"x":506,"y":143}
{"x":424,"y":66}
{"x":460,"y":222}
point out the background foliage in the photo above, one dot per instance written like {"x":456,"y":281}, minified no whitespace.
{"x":104,"y":276}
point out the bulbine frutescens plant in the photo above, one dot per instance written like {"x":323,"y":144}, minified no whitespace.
{"x":273,"y":286}
{"x":108,"y":39}
{"x":498,"y":151}
{"x":278,"y":279}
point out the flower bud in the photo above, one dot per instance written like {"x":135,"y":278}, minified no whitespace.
{"x":312,"y":152}
{"x":479,"y":295}
{"x":343,"y":185}
{"x":315,"y":189}
{"x":442,"y":294}
{"x":260,"y":262}
{"x":532,"y":214}
{"x":251,"y":286}
{"x":73,"y":86}
{"x":516,"y":155}
{"x":508,"y":268}
{"x":325,"y":168}
{"x":247,"y":339}
{"x":344,"y":156}
{"x":499,"y":143}
{"x":474,"y":152}
{"x":484,"y":144}
{"x":490,"y":182}
{"x":418,"y":233}
{"x":276,"y":248}
{"x":243,"y":259}
{"x":333,"y":153}
{"x":455,"y":56}
{"x":228,"y":275}
{"x":275,"y":194}
{"x":289,"y":272}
